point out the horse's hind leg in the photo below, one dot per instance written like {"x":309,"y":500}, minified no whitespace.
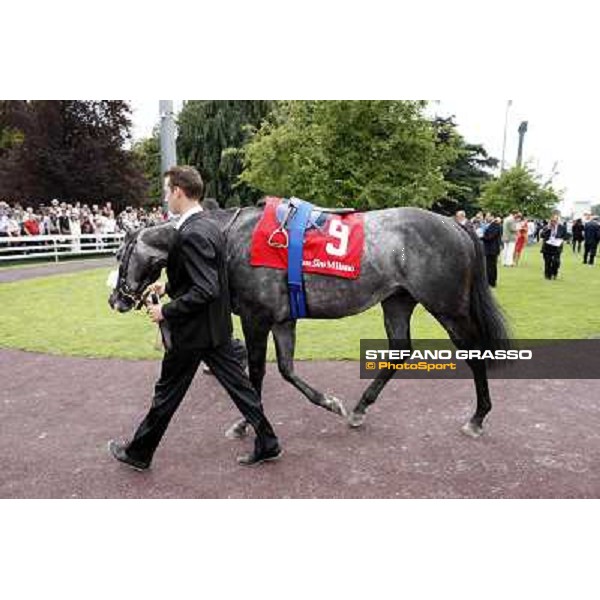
{"x":474,"y":427}
{"x":284,"y":335}
{"x":256,"y":334}
{"x":397,"y":311}
{"x":462,"y":333}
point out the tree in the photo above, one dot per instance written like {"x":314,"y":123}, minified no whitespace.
{"x":366,"y":154}
{"x":466,"y":174}
{"x":520,"y":188}
{"x":69,"y":149}
{"x":211,"y":134}
{"x":147,"y":154}
{"x":12,"y":120}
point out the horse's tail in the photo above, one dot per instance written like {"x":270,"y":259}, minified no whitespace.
{"x":486,"y":314}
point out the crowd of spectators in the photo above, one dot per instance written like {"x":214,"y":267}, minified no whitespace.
{"x":62,"y":218}
{"x":509,"y":235}
{"x":97,"y":223}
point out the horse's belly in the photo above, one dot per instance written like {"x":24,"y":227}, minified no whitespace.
{"x":334,"y":297}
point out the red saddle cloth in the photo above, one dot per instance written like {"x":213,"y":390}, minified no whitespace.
{"x":333,"y":244}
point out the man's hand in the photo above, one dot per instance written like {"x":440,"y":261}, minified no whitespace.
{"x":155,"y":313}
{"x":158,"y":288}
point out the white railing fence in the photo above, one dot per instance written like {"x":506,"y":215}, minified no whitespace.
{"x":58,"y":246}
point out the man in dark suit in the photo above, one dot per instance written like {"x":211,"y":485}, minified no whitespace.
{"x":199,"y":321}
{"x":553,"y":236}
{"x":492,"y":238}
{"x":591,"y":237}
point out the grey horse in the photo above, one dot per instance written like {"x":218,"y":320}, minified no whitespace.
{"x":411,"y":256}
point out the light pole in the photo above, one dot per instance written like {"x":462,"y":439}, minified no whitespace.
{"x":168,"y":153}
{"x":522,"y":132}
{"x":508,"y":105}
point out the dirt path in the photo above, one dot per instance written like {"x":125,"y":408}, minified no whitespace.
{"x":56,"y":415}
{"x":45,"y":270}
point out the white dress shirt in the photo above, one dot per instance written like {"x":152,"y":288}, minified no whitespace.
{"x":186,"y":215}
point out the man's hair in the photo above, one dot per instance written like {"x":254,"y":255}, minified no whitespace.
{"x":188,"y":179}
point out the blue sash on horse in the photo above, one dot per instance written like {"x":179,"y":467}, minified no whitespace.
{"x":297,"y":221}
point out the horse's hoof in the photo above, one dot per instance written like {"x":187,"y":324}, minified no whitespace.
{"x":238,"y":431}
{"x":335,"y":405}
{"x":472,"y":430}
{"x":356,"y":419}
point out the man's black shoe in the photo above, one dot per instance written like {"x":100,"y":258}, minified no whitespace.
{"x":119,"y":452}
{"x":250,"y":460}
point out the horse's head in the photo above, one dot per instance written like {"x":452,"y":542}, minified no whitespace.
{"x":141,"y":258}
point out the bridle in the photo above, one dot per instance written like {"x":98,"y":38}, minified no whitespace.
{"x":135,"y":296}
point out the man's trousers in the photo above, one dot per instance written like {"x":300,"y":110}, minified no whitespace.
{"x":508,"y":254}
{"x":177,"y":372}
{"x":589,"y":252}
{"x":491,"y":265}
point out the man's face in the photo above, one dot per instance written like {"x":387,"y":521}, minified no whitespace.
{"x":173,"y":196}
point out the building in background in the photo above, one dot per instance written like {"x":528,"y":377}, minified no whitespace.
{"x":579,"y":207}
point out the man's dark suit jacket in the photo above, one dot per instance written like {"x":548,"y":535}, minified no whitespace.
{"x":199,"y":314}
{"x":591,"y":232}
{"x":491,"y":239}
{"x":561,"y":233}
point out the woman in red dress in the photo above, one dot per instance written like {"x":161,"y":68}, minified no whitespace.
{"x":521,"y":239}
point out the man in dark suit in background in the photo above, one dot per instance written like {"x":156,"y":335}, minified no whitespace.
{"x":199,"y":321}
{"x":553,"y":236}
{"x":492,"y":239}
{"x":591,"y":237}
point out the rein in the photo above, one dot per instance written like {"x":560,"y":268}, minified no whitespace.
{"x":225,"y":231}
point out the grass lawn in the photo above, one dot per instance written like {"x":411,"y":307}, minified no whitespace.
{"x":69,"y":314}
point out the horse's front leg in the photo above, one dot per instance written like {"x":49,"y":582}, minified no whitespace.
{"x":284,"y":335}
